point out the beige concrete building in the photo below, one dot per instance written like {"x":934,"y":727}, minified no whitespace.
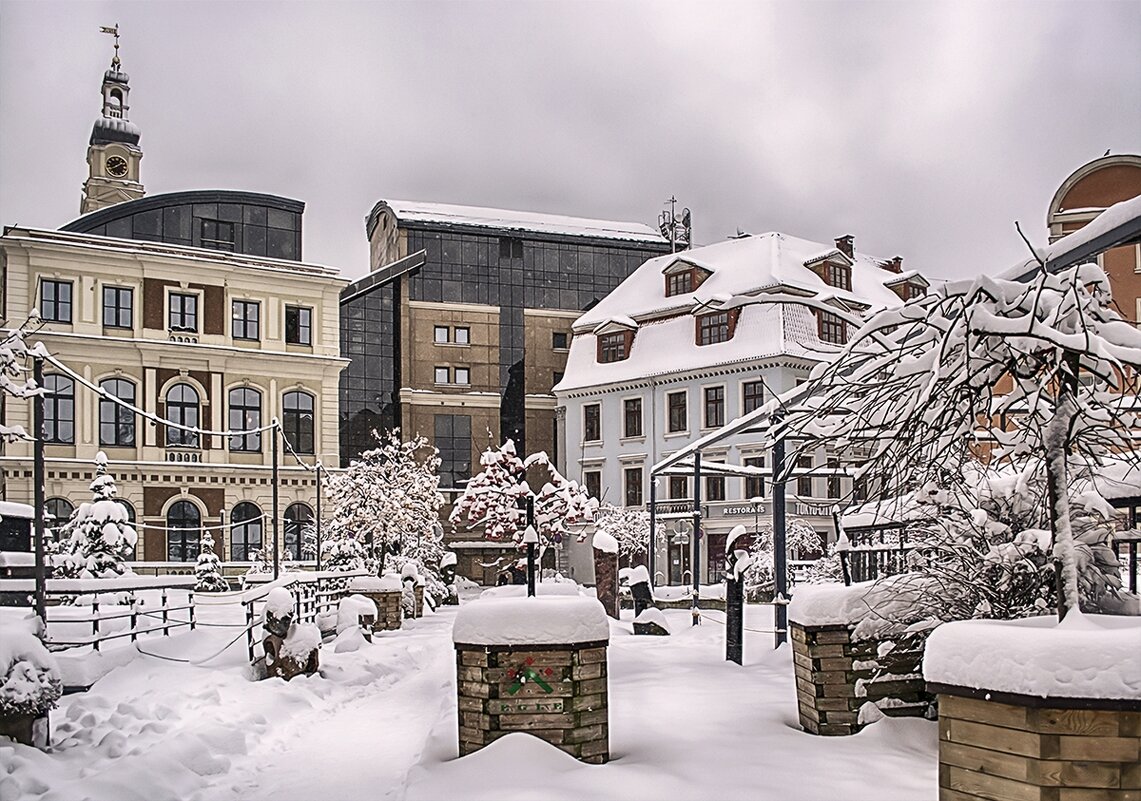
{"x":186,"y":327}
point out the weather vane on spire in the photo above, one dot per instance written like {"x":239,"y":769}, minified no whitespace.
{"x":114,"y":31}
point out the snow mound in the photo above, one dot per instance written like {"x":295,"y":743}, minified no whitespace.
{"x":552,"y":619}
{"x":874,"y":607}
{"x":541,"y":588}
{"x":29,"y":675}
{"x":350,"y":609}
{"x":449,"y":558}
{"x":279,"y":602}
{"x":653,"y":615}
{"x":634,"y":575}
{"x":386,"y":583}
{"x":349,"y":640}
{"x":1086,"y":656}
{"x":605,"y":542}
{"x":301,"y":640}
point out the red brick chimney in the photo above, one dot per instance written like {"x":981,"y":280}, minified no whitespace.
{"x":895,"y":264}
{"x":846,"y":245}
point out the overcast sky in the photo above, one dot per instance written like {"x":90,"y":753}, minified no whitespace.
{"x":924,"y":129}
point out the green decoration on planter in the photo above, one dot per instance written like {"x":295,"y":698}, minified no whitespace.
{"x":525,"y":673}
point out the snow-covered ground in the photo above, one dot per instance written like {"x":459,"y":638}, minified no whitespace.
{"x":380,"y":723}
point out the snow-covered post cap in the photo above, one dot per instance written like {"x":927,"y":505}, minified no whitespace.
{"x":537,"y":620}
{"x":604,"y":542}
{"x":1084,"y":656}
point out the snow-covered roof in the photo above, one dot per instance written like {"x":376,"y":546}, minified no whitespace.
{"x":505,"y":219}
{"x":742,"y":266}
{"x":8,"y":508}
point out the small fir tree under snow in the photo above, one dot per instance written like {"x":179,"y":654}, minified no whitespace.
{"x":906,"y":397}
{"x":208,"y":570}
{"x":389,"y":498}
{"x":630,"y":526}
{"x":98,"y":537}
{"x":492,"y":499}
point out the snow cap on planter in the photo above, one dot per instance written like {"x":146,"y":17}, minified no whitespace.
{"x":278,"y":611}
{"x":30,"y":682}
{"x":604,"y":542}
{"x":537,"y":620}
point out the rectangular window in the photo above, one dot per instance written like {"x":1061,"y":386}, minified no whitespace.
{"x":245,"y":320}
{"x":713,"y":328}
{"x":440,"y":334}
{"x":832,"y":329}
{"x":510,"y":248}
{"x":441,"y":375}
{"x":679,"y":487}
{"x":632,"y":417}
{"x":298,"y":325}
{"x":915,"y":291}
{"x":118,"y":307}
{"x":591,"y":422}
{"x":833,"y":480}
{"x":804,"y":483}
{"x":559,"y":340}
{"x":463,"y":375}
{"x":754,"y":485}
{"x":714,"y":407}
{"x":753,"y":395}
{"x":612,"y":347}
{"x":715,"y":488}
{"x":462,"y":335}
{"x":218,"y":235}
{"x":679,"y":283}
{"x":55,"y":301}
{"x":838,"y":275}
{"x":633,"y":479}
{"x":592,"y":481}
{"x":183,"y":312}
{"x":678,"y":417}
{"x":453,"y":441}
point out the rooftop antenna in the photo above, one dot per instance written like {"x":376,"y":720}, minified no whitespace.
{"x":114,"y":31}
{"x":678,"y":230}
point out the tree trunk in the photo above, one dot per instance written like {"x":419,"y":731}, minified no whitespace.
{"x":1057,"y":485}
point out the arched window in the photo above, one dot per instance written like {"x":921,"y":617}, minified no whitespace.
{"x":117,"y":422}
{"x":245,"y":413}
{"x":297,"y":420}
{"x":132,"y":554}
{"x":245,"y":531}
{"x":58,"y":512}
{"x":116,"y":106}
{"x":183,"y":532}
{"x":182,"y":408}
{"x":59,"y":409}
{"x":297,"y":517}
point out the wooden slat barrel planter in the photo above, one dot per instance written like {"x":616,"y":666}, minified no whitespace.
{"x":535,"y":665}
{"x":1034,"y":711}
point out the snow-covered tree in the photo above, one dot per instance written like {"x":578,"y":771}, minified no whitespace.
{"x":630,"y":526}
{"x":208,"y":570}
{"x":908,"y":396}
{"x":99,"y":536}
{"x":309,"y":540}
{"x":15,"y":379}
{"x":343,"y":552}
{"x":389,"y":498}
{"x":760,"y":575}
{"x":495,"y":498}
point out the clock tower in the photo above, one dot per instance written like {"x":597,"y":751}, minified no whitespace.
{"x":113,"y":153}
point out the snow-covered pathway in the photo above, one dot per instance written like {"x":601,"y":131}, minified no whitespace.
{"x":380,"y":723}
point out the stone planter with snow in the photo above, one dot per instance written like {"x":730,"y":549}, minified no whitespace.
{"x":385,"y":592}
{"x":290,"y":648}
{"x":30,"y":686}
{"x":849,"y":649}
{"x":534,"y":665}
{"x":1030,"y":709}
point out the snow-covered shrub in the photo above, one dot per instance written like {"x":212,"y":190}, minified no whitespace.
{"x":630,"y":526}
{"x":99,"y":536}
{"x":342,"y":552}
{"x":208,"y":570}
{"x":760,"y":576}
{"x":30,"y":682}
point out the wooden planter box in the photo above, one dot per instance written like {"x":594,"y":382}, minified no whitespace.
{"x":567,"y":705}
{"x":995,"y":745}
{"x":835,"y":676}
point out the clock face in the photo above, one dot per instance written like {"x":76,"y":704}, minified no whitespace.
{"x":117,"y":166}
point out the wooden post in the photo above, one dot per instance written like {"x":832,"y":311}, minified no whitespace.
{"x":651,"y":559}
{"x":39,"y":476}
{"x":319,"y":468}
{"x":695,"y":564}
{"x":275,"y":432}
{"x":780,"y":568}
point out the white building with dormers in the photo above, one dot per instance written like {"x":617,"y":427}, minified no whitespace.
{"x":658,"y":363}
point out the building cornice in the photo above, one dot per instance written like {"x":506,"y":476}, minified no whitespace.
{"x":664,"y":379}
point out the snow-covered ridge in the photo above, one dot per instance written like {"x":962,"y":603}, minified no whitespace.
{"x":1086,"y":656}
{"x":540,"y":620}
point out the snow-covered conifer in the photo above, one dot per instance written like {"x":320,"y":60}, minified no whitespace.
{"x":208,"y":570}
{"x":98,"y":537}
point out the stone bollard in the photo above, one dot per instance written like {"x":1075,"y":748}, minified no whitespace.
{"x":385,"y":592}
{"x":448,"y":576}
{"x":606,"y":572}
{"x":535,"y":665}
{"x":736,"y":563}
{"x":648,"y":619}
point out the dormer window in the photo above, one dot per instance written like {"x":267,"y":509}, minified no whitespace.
{"x":831,"y":328}
{"x":715,"y":327}
{"x":679,"y":283}
{"x":838,"y":275}
{"x":614,"y":347}
{"x":913,"y":291}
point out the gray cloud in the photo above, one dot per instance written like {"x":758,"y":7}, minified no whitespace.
{"x":925,"y":129}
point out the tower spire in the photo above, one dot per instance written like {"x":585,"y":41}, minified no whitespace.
{"x":113,"y":152}
{"x":114,"y":31}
